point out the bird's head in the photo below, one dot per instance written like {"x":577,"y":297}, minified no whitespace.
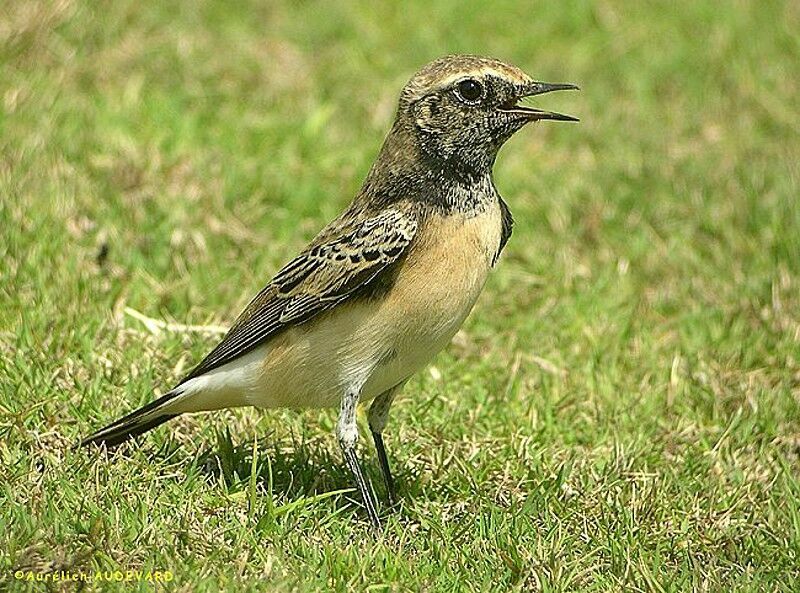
{"x":462,"y":108}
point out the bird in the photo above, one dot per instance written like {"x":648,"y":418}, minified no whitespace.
{"x":387,"y":284}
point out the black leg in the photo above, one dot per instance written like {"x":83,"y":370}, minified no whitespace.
{"x":351,"y":459}
{"x":347,"y":433}
{"x":378,"y":414}
{"x":385,"y":470}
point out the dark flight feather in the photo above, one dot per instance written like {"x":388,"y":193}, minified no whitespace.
{"x":507,"y":222}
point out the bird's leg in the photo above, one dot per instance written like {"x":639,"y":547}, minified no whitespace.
{"x":347,"y":433}
{"x":378,"y":415}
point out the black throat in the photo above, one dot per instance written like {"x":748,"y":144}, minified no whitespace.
{"x":406,"y":170}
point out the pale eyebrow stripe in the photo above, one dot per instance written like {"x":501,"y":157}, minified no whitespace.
{"x":479,"y":72}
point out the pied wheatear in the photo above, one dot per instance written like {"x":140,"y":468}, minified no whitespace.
{"x":385,"y":286}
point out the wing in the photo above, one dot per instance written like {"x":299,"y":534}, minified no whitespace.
{"x":344,"y":258}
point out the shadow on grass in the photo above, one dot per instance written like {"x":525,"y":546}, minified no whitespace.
{"x":290,"y":469}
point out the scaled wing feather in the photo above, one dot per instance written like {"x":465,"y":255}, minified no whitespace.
{"x":335,"y":265}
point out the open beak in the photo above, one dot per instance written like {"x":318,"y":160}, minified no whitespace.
{"x":539,"y":88}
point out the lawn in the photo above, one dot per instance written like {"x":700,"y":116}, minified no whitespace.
{"x":621,"y":411}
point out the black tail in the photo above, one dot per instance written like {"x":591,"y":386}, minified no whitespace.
{"x":137,"y":422}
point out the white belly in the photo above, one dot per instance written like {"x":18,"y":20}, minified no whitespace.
{"x":377,"y":344}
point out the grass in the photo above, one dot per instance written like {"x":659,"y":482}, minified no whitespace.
{"x":620,"y":411}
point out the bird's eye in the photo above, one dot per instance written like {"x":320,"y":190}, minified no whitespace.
{"x":470,"y":89}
